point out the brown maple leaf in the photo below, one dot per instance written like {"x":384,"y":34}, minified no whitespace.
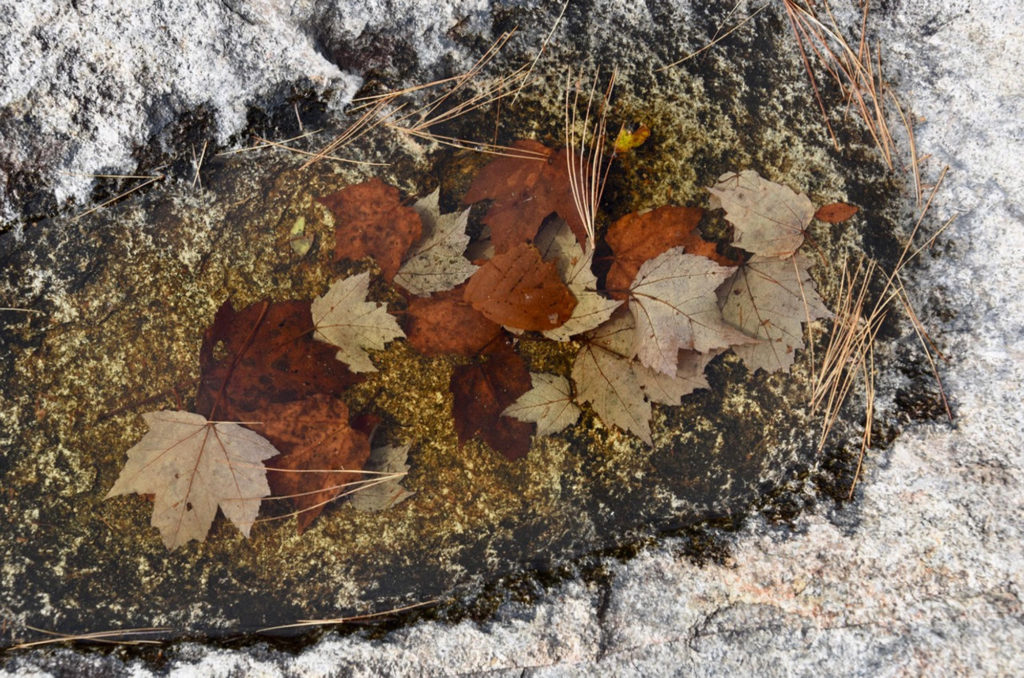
{"x":314,"y":437}
{"x":446,"y":323}
{"x":370,"y":220}
{"x":636,"y":238}
{"x":525,"y":190}
{"x":520,"y":290}
{"x":483,"y":390}
{"x":263,"y":354}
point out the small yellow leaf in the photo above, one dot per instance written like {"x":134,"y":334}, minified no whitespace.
{"x":299,"y":241}
{"x":627,"y":141}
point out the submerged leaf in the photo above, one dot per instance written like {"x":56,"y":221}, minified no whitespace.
{"x":382,"y":492}
{"x":437,"y":264}
{"x":446,"y":323}
{"x":263,"y":354}
{"x":518,"y":290}
{"x":548,"y":404}
{"x":370,"y":220}
{"x":320,"y":452}
{"x":626,"y":141}
{"x":770,"y":299}
{"x":674,"y":305}
{"x":343,"y":317}
{"x":769,"y":218}
{"x":192,"y":466}
{"x":525,"y":190}
{"x":636,"y":238}
{"x":481,"y":393}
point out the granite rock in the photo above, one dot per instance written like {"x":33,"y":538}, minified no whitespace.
{"x":922,"y":574}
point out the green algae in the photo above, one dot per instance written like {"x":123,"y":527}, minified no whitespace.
{"x":145,"y":278}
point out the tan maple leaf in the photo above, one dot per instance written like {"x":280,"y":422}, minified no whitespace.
{"x":770,"y":299}
{"x":383,"y":487}
{"x":343,"y":317}
{"x":437,"y":264}
{"x":669,"y":389}
{"x":192,"y":466}
{"x":604,"y":377}
{"x":558,"y":243}
{"x":674,"y":305}
{"x":548,"y":403}
{"x":769,"y":218}
{"x":619,"y":388}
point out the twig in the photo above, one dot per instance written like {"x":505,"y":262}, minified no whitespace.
{"x":112,"y":637}
{"x":303,"y":623}
{"x":150,"y":179}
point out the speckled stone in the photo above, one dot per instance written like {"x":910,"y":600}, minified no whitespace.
{"x":922,"y":574}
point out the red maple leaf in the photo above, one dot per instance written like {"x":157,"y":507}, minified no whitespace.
{"x":636,"y":238}
{"x":483,"y":390}
{"x":314,"y":437}
{"x":445,"y":323}
{"x":518,"y":289}
{"x":370,"y":220}
{"x":261,"y":366}
{"x":263,"y":354}
{"x":525,"y":190}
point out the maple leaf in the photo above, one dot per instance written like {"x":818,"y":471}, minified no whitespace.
{"x":769,"y":218}
{"x":669,"y":389}
{"x":264,"y":353}
{"x":636,"y":238}
{"x":446,"y":323}
{"x":525,"y":190}
{"x":519,"y":290}
{"x":370,"y":220}
{"x":548,"y":403}
{"x":192,"y":466}
{"x":619,"y":388}
{"x":481,"y":391}
{"x":437,"y":263}
{"x":382,"y":492}
{"x":314,"y":437}
{"x":557,"y":243}
{"x":343,"y":317}
{"x":604,"y":377}
{"x":835,"y":212}
{"x":769,"y":299}
{"x":674,"y":305}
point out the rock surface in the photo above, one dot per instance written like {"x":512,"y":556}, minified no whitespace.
{"x":921,"y":575}
{"x":86,"y":85}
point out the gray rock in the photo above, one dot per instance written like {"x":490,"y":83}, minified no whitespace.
{"x":85,"y":85}
{"x":921,"y":575}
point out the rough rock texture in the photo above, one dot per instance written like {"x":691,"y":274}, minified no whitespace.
{"x":86,"y":84}
{"x":921,"y":576}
